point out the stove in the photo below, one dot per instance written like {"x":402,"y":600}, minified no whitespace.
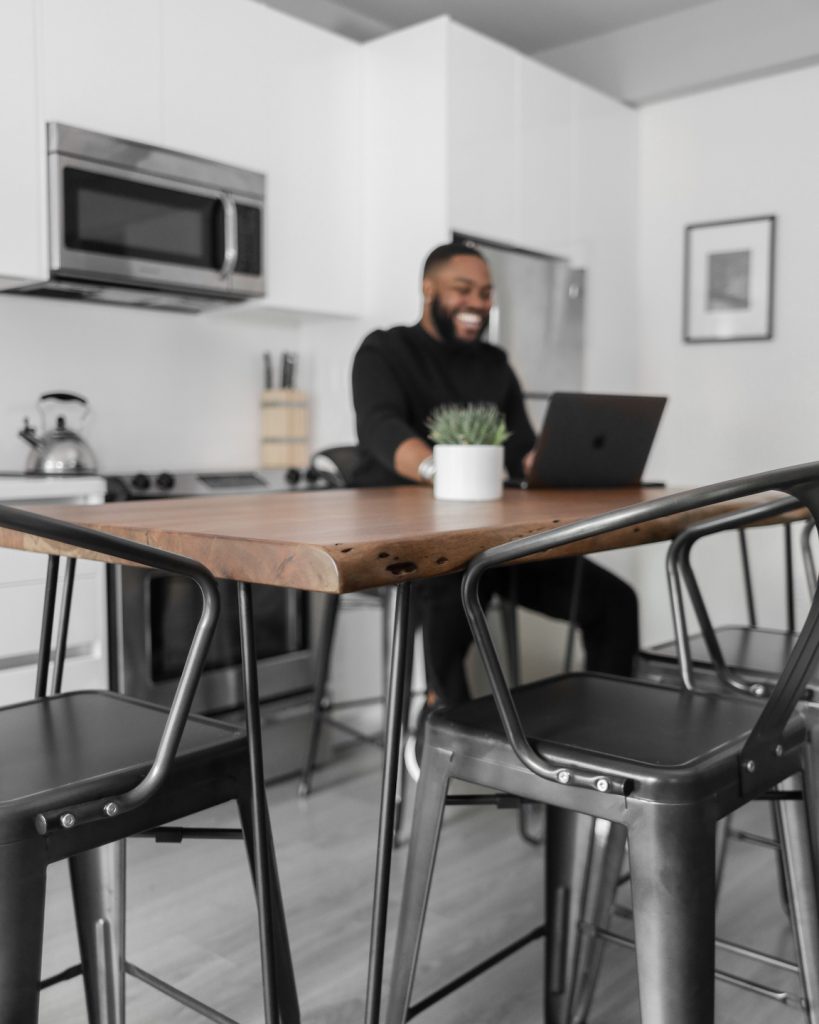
{"x":152,"y":615}
{"x":141,"y":485}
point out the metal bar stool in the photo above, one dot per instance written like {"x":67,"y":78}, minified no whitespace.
{"x":663,"y":765}
{"x":83,"y":770}
{"x":755,"y":657}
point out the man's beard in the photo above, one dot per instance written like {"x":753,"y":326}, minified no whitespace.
{"x":445,"y":323}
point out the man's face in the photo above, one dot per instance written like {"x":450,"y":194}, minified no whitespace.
{"x":459,"y":297}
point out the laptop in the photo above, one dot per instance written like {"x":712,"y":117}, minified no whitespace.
{"x":595,"y":440}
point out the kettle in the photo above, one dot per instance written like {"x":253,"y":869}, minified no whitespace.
{"x":59,"y":449}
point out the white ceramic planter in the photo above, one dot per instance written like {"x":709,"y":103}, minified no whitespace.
{"x":468,"y":472}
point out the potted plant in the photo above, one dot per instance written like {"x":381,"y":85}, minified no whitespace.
{"x":468,"y":451}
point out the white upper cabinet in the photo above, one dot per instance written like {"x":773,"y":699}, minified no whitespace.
{"x":509,"y":144}
{"x":22,"y":189}
{"x":544,"y":136}
{"x":100,"y":66}
{"x":315,"y":172}
{"x":482,"y":136}
{"x":216,"y":96}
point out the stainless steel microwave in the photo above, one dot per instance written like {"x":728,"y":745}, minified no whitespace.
{"x":140,"y":225}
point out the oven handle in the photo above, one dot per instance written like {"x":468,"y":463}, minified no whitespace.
{"x":231,"y":255}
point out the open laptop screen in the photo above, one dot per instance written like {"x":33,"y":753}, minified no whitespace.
{"x":595,"y":440}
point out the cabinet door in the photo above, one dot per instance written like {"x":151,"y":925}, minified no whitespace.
{"x":101,"y":66}
{"x":482,"y":136}
{"x":543,"y":126}
{"x":22,"y":586}
{"x":215,"y":80}
{"x":315,"y":169}
{"x":22,"y":188}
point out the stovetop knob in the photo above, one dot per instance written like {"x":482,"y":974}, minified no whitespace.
{"x":165,"y":481}
{"x":292,"y":476}
{"x":140,"y":482}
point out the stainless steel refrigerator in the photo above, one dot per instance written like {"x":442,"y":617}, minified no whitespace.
{"x":538,"y":318}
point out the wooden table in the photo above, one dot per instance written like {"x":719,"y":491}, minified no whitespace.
{"x":338,"y":541}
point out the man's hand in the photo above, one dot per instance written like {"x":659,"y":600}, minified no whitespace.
{"x":528,"y":462}
{"x":408,"y":457}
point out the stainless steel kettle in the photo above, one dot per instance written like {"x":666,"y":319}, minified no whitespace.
{"x":59,"y":449}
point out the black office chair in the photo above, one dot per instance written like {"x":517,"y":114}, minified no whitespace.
{"x":82,"y":770}
{"x":663,"y":765}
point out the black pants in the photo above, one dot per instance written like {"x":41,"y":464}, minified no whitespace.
{"x":606,"y":615}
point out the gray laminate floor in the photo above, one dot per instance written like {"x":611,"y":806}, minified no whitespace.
{"x":191,"y":916}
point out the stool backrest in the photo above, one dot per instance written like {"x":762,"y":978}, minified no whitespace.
{"x":680,"y":572}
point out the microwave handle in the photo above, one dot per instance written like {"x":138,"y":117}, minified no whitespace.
{"x":231,"y":241}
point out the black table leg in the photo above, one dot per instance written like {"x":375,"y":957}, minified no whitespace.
{"x":386,"y":825}
{"x":277,"y":973}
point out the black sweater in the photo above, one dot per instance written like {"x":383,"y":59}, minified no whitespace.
{"x":401,"y":375}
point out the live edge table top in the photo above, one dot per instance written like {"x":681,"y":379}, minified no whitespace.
{"x":338,"y":541}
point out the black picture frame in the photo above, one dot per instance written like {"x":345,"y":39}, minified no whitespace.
{"x":728,"y":288}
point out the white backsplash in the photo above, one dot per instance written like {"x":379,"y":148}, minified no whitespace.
{"x":167,"y":390}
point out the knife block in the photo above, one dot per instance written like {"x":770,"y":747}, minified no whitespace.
{"x":285,"y":426}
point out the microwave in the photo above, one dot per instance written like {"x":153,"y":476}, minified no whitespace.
{"x":140,"y":225}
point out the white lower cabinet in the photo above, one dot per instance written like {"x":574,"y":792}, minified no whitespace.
{"x":22,"y":589}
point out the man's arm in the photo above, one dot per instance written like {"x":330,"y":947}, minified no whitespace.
{"x":381,"y":415}
{"x":408,"y":458}
{"x":520,"y":446}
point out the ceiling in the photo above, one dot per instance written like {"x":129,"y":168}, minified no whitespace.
{"x":639,"y":51}
{"x":527,"y":25}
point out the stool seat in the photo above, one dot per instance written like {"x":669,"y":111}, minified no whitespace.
{"x":661,"y":738}
{"x":79,"y":746}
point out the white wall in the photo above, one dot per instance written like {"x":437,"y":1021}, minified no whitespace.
{"x":735,"y":407}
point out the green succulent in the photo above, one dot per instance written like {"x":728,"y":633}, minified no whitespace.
{"x":476,"y":423}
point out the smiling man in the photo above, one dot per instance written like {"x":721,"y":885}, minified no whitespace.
{"x":399,"y":376}
{"x":402,"y":374}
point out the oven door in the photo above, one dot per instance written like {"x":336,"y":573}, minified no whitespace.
{"x":116,"y":225}
{"x":152,"y":617}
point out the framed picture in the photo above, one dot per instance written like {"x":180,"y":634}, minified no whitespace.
{"x":729,"y":274}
